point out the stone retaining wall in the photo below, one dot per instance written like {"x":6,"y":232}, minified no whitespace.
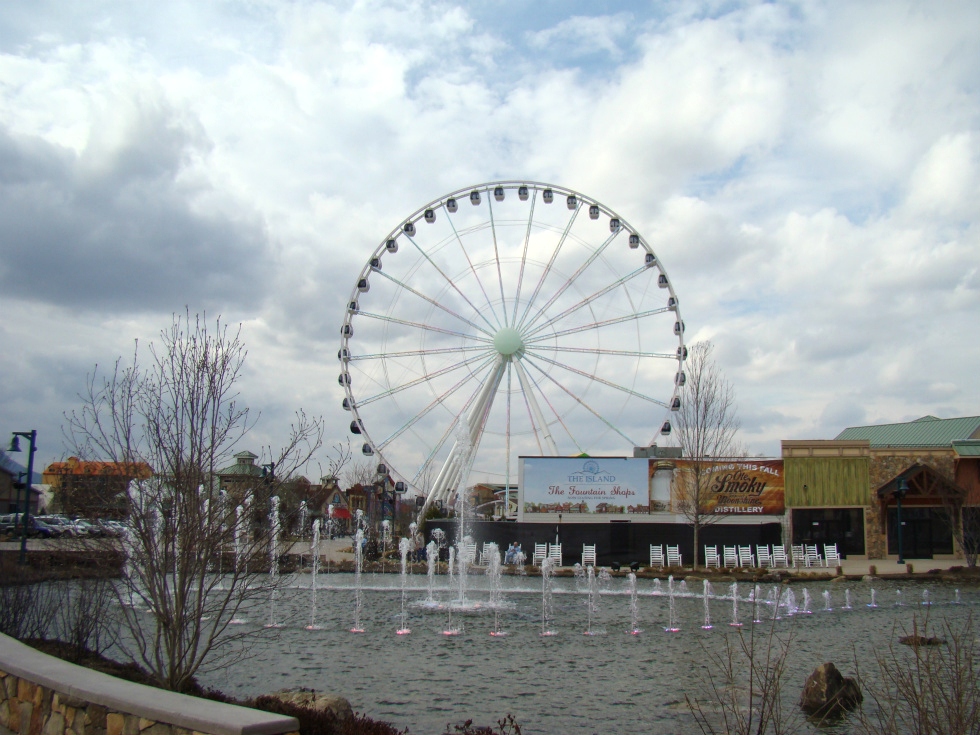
{"x":43,"y":695}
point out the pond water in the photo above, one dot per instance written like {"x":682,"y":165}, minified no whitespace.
{"x":610,"y":682}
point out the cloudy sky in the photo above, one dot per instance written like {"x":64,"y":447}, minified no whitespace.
{"x":808,"y":172}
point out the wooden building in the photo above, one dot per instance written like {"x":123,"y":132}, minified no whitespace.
{"x":844,"y":490}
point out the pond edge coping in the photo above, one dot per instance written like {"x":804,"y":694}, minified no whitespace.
{"x":119,"y":695}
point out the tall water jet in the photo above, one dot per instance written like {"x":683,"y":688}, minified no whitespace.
{"x":956,"y":598}
{"x":826,"y":601}
{"x":592,"y":598}
{"x":756,"y":594}
{"x":634,"y":607}
{"x":705,"y":596}
{"x":358,"y":565}
{"x":547,"y":602}
{"x":241,"y":560}
{"x":403,"y":547}
{"x":734,"y":590}
{"x":847,"y":599}
{"x":314,"y":569}
{"x":898,"y":598}
{"x":671,"y":621}
{"x":385,"y":541}
{"x":873,"y":603}
{"x":462,"y":562}
{"x":925,"y":597}
{"x":451,"y":569}
{"x":304,"y":514}
{"x":238,"y":538}
{"x":274,"y":531}
{"x":491,"y":557}
{"x":431,"y":557}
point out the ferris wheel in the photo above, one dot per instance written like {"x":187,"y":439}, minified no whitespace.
{"x":508,"y":319}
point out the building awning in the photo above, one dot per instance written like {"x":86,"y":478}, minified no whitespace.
{"x":340,"y":513}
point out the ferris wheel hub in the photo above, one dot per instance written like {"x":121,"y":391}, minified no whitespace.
{"x":508,"y":342}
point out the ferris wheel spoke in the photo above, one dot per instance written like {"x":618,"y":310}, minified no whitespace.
{"x":557,"y":415}
{"x":596,"y":378}
{"x":496,"y":257}
{"x":551,"y":262}
{"x":571,"y":279}
{"x":582,"y":403}
{"x":421,"y":379}
{"x":452,"y":284}
{"x":476,"y":276}
{"x":435,"y":303}
{"x":438,"y":400}
{"x":598,"y":325}
{"x":535,"y":410}
{"x":614,"y":353}
{"x":529,"y":332}
{"x":417,"y":353}
{"x":424,"y":327}
{"x":527,"y":242}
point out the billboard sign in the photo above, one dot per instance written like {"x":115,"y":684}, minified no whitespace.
{"x":585,"y":485}
{"x":736,"y":486}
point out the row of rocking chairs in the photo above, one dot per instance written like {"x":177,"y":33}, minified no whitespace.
{"x":742,"y":557}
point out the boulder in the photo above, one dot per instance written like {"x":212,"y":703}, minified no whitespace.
{"x":334,"y":703}
{"x":828,"y":693}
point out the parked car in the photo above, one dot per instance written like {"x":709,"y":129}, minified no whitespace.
{"x":63,"y":525}
{"x":89,"y":528}
{"x":36,"y":528}
{"x":110,"y":528}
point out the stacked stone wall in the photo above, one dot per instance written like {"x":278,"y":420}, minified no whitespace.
{"x":34,"y":704}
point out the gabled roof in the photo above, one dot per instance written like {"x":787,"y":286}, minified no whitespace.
{"x":923,"y":481}
{"x":13,"y":468}
{"x":927,"y":431}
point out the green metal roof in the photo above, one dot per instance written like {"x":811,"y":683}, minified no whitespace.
{"x":928,"y":431}
{"x":967,"y":448}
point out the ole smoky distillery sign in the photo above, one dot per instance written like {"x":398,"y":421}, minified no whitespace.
{"x":749,"y":486}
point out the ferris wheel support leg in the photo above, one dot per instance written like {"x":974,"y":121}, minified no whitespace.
{"x":459,"y":459}
{"x":535,"y":409}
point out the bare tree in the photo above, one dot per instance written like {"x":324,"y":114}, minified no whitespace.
{"x":707,"y":427}
{"x":963,"y":522}
{"x":362,"y":472}
{"x":179,"y":412}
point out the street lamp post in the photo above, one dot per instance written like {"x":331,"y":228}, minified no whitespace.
{"x":901,"y":488}
{"x":31,"y":437}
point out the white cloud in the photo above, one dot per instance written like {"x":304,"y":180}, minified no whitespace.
{"x":807,"y":173}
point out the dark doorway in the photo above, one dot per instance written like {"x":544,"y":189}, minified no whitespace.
{"x":841,"y":526}
{"x":925,"y":532}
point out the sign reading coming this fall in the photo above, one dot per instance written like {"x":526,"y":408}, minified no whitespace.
{"x":739,"y":486}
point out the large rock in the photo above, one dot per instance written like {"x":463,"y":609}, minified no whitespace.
{"x":339,"y":706}
{"x":827,"y":693}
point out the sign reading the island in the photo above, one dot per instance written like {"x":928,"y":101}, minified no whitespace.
{"x":732,"y":486}
{"x":585,"y":485}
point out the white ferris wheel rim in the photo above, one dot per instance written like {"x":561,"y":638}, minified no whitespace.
{"x":501,"y":346}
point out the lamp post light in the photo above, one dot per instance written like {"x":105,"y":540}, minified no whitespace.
{"x":31,"y":436}
{"x":901,"y":488}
